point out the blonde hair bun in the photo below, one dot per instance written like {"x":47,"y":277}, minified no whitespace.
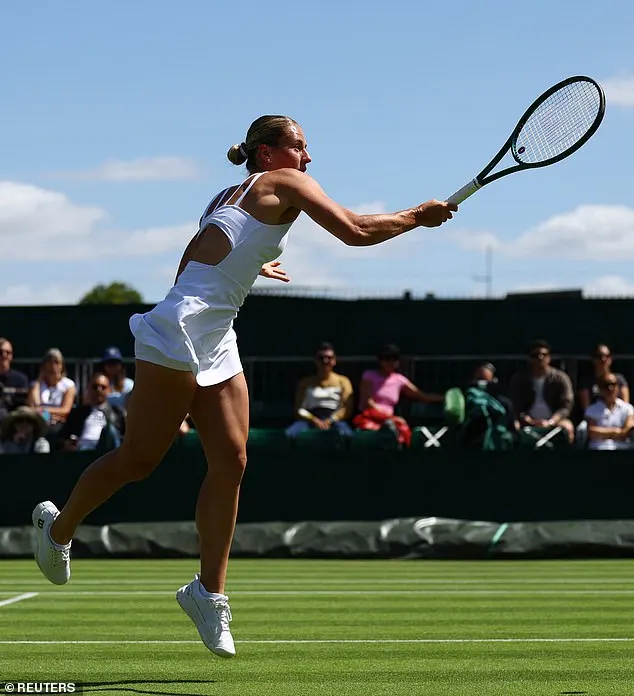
{"x":236,"y":155}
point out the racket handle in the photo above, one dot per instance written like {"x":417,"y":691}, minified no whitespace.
{"x":464,"y":192}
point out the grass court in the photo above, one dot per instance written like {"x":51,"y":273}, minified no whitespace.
{"x":336,"y":628}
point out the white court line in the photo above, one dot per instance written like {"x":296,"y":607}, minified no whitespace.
{"x":317,"y":641}
{"x":19,"y":598}
{"x":360,"y":581}
{"x":337,"y":593}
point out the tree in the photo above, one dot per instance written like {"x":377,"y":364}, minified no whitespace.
{"x":115,"y":293}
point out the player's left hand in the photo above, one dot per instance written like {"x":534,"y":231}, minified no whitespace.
{"x":272,"y":270}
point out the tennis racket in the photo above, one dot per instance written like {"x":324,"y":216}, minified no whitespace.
{"x":555,"y":125}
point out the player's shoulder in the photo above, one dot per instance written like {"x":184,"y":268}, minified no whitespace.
{"x":290,"y":177}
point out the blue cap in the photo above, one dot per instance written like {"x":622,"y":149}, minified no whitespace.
{"x":111,"y":353}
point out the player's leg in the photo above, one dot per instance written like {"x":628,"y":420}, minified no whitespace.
{"x":158,"y":403}
{"x":221,"y":416}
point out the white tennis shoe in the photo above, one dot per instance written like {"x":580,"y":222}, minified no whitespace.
{"x":210,"y":616}
{"x":52,"y":559}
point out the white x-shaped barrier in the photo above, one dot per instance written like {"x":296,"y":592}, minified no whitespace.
{"x":433,"y":439}
{"x":548,"y":436}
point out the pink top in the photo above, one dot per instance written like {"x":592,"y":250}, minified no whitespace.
{"x":386,"y":391}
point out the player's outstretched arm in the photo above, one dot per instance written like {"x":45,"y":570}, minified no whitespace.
{"x":299,"y":190}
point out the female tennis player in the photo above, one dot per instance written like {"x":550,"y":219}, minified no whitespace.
{"x":186,"y":350}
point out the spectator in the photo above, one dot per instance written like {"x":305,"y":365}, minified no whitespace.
{"x":94,"y":423}
{"x":323,"y":400}
{"x":120,"y":386}
{"x":22,"y":432}
{"x":53,"y":394}
{"x":589,"y":390}
{"x":484,"y":377}
{"x":610,"y":418}
{"x":14,"y":385}
{"x":380,"y":392}
{"x":542,"y":396}
{"x":488,"y":422}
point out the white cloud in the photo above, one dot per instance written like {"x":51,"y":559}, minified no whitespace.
{"x":142,"y":169}
{"x":589,"y":232}
{"x":610,"y":286}
{"x":619,"y":91}
{"x":473,"y":240}
{"x":156,"y":240}
{"x":308,"y":257}
{"x":38,"y":224}
{"x":314,"y":258}
{"x":594,"y":232}
{"x":30,"y":216}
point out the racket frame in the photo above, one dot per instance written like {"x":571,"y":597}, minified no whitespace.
{"x":482,"y":179}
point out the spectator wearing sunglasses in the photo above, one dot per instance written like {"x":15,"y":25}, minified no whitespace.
{"x":95,"y":424}
{"x":14,"y":385}
{"x":380,"y":392}
{"x":53,"y":393}
{"x":589,"y":390}
{"x":323,"y":400}
{"x":610,"y":418}
{"x":542,"y":395}
{"x":120,"y":385}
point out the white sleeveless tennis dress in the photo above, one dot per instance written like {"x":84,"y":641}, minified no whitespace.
{"x":192,"y":328}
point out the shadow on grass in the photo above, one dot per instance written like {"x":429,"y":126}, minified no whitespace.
{"x":131,"y":686}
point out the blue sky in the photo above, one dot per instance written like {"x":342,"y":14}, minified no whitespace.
{"x":116,"y":117}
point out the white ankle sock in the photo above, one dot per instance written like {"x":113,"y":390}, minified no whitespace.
{"x":55,"y":544}
{"x":209,"y":595}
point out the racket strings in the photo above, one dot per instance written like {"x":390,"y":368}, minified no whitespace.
{"x":558,"y":123}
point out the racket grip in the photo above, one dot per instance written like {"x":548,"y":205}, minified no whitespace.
{"x":464,"y":193}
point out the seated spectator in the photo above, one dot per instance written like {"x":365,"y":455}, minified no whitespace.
{"x":22,"y":432}
{"x":380,"y":392}
{"x":610,"y":418}
{"x":589,"y":391}
{"x":323,"y":400}
{"x":120,"y":386}
{"x":477,"y":424}
{"x":14,"y":385}
{"x":95,"y":423}
{"x":53,"y":393}
{"x":542,"y":395}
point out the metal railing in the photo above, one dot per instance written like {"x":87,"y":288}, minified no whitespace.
{"x":274,"y":379}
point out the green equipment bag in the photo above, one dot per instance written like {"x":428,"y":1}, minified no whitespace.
{"x":484,"y":425}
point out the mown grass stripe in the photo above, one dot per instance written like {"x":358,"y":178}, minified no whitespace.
{"x":354,"y":581}
{"x":315,"y":641}
{"x":342,"y":593}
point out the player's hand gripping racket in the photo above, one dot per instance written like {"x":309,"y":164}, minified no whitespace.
{"x":553,"y":127}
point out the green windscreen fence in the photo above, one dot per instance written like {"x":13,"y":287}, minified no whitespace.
{"x":293,"y":485}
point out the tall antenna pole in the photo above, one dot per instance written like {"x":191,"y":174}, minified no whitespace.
{"x":487,"y":278}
